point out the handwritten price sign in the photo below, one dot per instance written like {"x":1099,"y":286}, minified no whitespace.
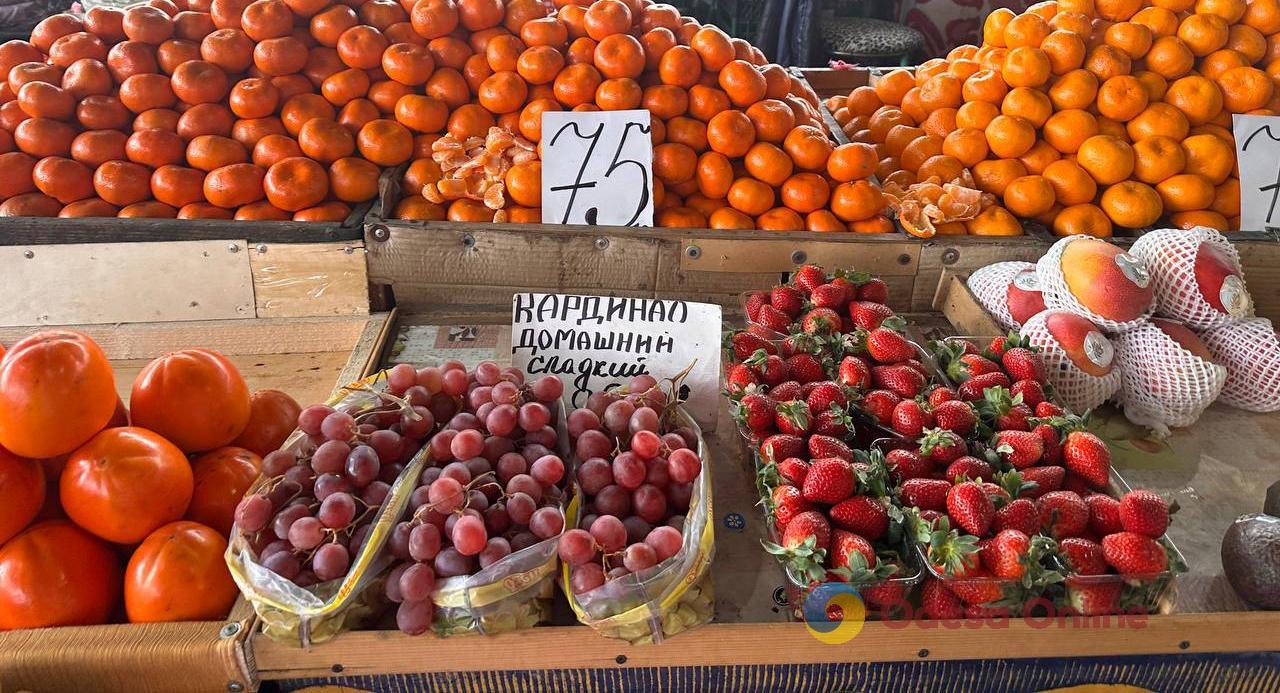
{"x":597,"y":168}
{"x":1258,"y":154}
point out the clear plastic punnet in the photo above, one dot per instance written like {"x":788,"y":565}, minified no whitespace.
{"x":1162,"y":383}
{"x":1058,"y":296}
{"x":990,"y":285}
{"x":1250,"y":351}
{"x":1072,"y":387}
{"x":668,"y":598}
{"x":1174,"y":259}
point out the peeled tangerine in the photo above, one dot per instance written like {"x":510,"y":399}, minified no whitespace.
{"x":1168,"y":376}
{"x":1009,"y":291}
{"x":1097,"y":280}
{"x":1196,"y":276}
{"x":1079,"y":360}
{"x":1250,"y":351}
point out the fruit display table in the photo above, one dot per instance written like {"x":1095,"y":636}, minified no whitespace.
{"x":1214,"y":470}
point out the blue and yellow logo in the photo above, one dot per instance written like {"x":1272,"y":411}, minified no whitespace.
{"x":834,"y":613}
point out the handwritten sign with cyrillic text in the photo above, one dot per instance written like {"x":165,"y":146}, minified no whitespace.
{"x":597,"y":342}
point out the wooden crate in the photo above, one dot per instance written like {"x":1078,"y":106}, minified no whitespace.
{"x":291,"y":316}
{"x":751,"y":646}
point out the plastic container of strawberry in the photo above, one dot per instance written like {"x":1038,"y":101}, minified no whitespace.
{"x":1152,"y":594}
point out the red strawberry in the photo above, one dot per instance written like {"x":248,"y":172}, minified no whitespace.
{"x":1094,"y":598}
{"x":762,"y":332}
{"x":996,"y":492}
{"x":821,"y":321}
{"x":741,"y":377}
{"x":879,"y":404}
{"x":970,"y":508}
{"x":1032,"y":392}
{"x":806,"y":525}
{"x":861,"y":514}
{"x":1086,"y":455}
{"x":1052,"y":443}
{"x":844,"y":544}
{"x":968,"y":467}
{"x":976,"y":587}
{"x":1143,"y":512}
{"x":1104,"y":514}
{"x":808,"y":277}
{"x":972,"y":389}
{"x":833,"y":422}
{"x":1082,"y":556}
{"x":793,"y":469}
{"x":1015,"y":419}
{"x":874,"y":290}
{"x":1076,"y":484}
{"x":830,"y":480}
{"x":787,"y":299}
{"x":907,"y":464}
{"x":850,"y":289}
{"x":942,"y":447}
{"x":785,"y":392}
{"x":902,"y":380}
{"x":1045,"y":410}
{"x":1063,"y":514}
{"x":1022,"y":363}
{"x":769,"y":367}
{"x":910,"y":419}
{"x":954,"y":415}
{"x":970,"y":366}
{"x":997,"y":345}
{"x":1021,"y":449}
{"x":824,"y":395}
{"x":1020,"y":514}
{"x":940,"y":394}
{"x":828,"y":296}
{"x":755,"y":411}
{"x":938,"y":602}
{"x":788,"y":502}
{"x":854,"y":372}
{"x":793,"y":418}
{"x":966,"y":346}
{"x":884,"y":595}
{"x":805,"y":368}
{"x":826,"y":446}
{"x":886,"y":346}
{"x":773,"y":319}
{"x":755,"y":299}
{"x":798,"y":344}
{"x":868,"y":315}
{"x":926,"y":494}
{"x":781,"y":446}
{"x":745,"y":345}
{"x":1003,"y":555}
{"x":1131,"y":553}
{"x":1046,"y":479}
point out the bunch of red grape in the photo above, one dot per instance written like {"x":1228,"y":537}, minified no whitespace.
{"x":313,"y":514}
{"x":494,"y":486}
{"x":636,"y":472}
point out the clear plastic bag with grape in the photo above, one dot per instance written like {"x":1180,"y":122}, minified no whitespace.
{"x":647,"y":577}
{"x":311,"y":596}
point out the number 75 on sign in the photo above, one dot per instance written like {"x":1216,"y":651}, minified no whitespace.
{"x":597,"y":168}
{"x":1258,"y":155}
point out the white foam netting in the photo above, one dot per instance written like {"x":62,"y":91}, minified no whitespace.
{"x":1170,"y":255}
{"x":1161,"y":383}
{"x":1250,"y":351}
{"x":1072,"y":387}
{"x":990,"y":285}
{"x":1058,"y":296}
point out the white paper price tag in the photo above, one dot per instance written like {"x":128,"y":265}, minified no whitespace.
{"x":597,"y":168}
{"x":1258,"y":155}
{"x":596,"y":342}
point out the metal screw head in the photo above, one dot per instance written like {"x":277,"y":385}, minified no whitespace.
{"x":1185,"y":644}
{"x":693,"y":251}
{"x":380,"y":233}
{"x":602,"y":243}
{"x":620,"y":659}
{"x":28,"y":254}
{"x":261,"y":248}
{"x":233,"y":248}
{"x":348,"y":249}
{"x":468,"y":241}
{"x":229,"y":630}
{"x":235,"y":687}
{"x":924,"y":652}
{"x":904,"y":259}
{"x":798,"y":257}
{"x":950,"y":256}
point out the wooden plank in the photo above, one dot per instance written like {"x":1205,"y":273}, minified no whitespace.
{"x":26,"y":231}
{"x":828,"y":82}
{"x":230,"y":337}
{"x":960,"y":307}
{"x":1261,"y":263}
{"x":366,"y":353}
{"x":884,"y":255}
{"x":965,"y":254}
{"x":125,"y":282}
{"x":303,"y":280}
{"x":383,"y":652}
